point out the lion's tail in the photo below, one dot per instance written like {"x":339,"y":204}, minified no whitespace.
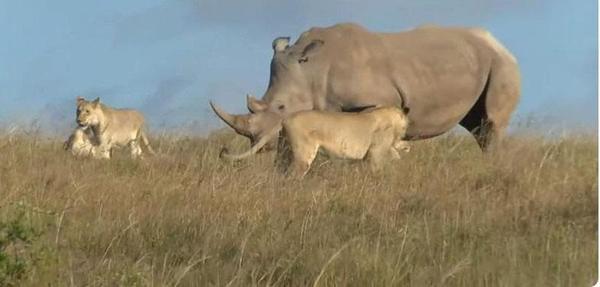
{"x":146,"y":142}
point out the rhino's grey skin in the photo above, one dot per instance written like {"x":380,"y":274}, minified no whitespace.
{"x":444,"y":76}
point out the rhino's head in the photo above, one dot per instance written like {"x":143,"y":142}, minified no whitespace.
{"x":254,"y":125}
{"x":289,"y":91}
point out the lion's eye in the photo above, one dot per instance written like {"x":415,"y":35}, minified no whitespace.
{"x":281,"y":107}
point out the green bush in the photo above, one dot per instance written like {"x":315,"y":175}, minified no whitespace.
{"x":15,"y":241}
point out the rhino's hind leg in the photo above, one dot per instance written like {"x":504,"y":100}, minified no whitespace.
{"x":488,"y":118}
{"x":482,"y":129}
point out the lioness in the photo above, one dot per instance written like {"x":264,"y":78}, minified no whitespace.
{"x":373,"y":134}
{"x":81,"y":142}
{"x":112,"y":127}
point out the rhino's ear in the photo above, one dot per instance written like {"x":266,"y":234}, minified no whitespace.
{"x":254,"y":105}
{"x":310,"y":50}
{"x":280,"y":44}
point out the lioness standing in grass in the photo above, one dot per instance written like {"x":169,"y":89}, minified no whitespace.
{"x":374,"y":134}
{"x":112,"y":127}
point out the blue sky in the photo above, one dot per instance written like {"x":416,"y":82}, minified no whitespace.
{"x":169,"y":58}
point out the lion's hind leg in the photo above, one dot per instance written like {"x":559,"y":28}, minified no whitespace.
{"x":378,"y":153}
{"x":284,"y":156}
{"x":402,"y":146}
{"x":375,"y":157}
{"x":136,"y":150}
{"x":303,"y":156}
{"x":101,"y":152}
{"x":395,"y":154}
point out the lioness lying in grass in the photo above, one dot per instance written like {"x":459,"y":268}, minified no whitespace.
{"x":81,"y":142}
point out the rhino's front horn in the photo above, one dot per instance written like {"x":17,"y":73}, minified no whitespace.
{"x":240,"y":123}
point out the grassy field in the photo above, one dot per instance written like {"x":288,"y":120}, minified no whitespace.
{"x":446,"y":215}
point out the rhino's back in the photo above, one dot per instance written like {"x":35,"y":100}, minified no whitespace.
{"x":437,"y":72}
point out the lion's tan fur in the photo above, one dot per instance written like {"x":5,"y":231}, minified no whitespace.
{"x":375,"y":135}
{"x":81,"y":142}
{"x":113,"y":127}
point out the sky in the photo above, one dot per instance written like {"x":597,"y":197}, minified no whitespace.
{"x":169,"y":58}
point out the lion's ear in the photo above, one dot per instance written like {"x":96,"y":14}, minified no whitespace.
{"x":96,"y":102}
{"x":80,"y":100}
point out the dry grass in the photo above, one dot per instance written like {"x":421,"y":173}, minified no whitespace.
{"x":446,"y":215}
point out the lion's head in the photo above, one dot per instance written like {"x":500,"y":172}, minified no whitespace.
{"x":88,"y":113}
